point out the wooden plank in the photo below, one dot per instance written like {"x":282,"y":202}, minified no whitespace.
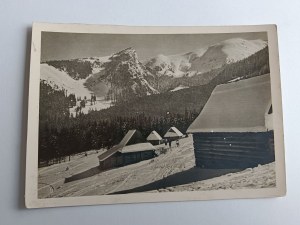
{"x":230,"y":142}
{"x":233,"y":155}
{"x":232,"y":151}
{"x":241,"y":146}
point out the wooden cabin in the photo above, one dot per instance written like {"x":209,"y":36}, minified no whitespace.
{"x":235,"y":127}
{"x":133,"y":148}
{"x":154,"y":138}
{"x":173,"y":134}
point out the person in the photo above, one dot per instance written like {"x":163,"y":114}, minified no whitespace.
{"x":166,"y":142}
{"x":177,"y":143}
{"x":170,"y":143}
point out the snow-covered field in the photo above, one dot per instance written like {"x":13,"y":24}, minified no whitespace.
{"x":172,"y":171}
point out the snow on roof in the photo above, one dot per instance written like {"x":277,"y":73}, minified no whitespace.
{"x":173,"y":132}
{"x":236,"y":107}
{"x":108,"y":153}
{"x":140,"y":147}
{"x":154,"y":136}
{"x":120,"y":146}
{"x":127,"y":137}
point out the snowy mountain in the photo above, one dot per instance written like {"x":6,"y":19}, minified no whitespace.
{"x":96,"y":62}
{"x":118,"y":77}
{"x":79,"y":68}
{"x":204,"y":59}
{"x":122,"y":77}
{"x":59,"y":80}
{"x":172,"y":65}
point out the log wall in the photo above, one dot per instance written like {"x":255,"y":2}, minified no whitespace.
{"x":233,"y":150}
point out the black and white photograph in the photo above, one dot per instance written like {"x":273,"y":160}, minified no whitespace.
{"x":145,"y":113}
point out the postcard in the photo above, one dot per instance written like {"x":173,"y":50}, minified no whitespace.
{"x":124,"y":114}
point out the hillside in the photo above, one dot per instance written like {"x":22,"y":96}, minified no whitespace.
{"x":173,"y":171}
{"x":60,"y":80}
{"x":123,"y":77}
{"x":204,"y":59}
{"x":79,"y":68}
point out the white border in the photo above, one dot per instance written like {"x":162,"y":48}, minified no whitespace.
{"x":31,"y":186}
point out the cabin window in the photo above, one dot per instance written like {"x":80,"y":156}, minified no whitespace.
{"x":270,"y":110}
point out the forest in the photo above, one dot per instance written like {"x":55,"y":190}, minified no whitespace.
{"x":61,"y":135}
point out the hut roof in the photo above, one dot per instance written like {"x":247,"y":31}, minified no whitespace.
{"x":140,"y":147}
{"x":154,"y":136}
{"x":173,"y":132}
{"x":108,"y":153}
{"x":131,"y":138}
{"x":236,"y":107}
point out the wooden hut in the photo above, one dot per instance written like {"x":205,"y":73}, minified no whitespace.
{"x":154,"y":138}
{"x":173,"y":134}
{"x":235,"y":127}
{"x":133,"y":148}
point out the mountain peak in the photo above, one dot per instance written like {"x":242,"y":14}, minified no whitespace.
{"x":126,"y":54}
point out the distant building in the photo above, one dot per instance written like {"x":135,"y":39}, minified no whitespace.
{"x":131,"y":149}
{"x":154,"y":138}
{"x":173,"y":134}
{"x":235,"y":127}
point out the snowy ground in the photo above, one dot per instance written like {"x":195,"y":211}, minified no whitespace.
{"x":173,"y":171}
{"x":258,"y":177}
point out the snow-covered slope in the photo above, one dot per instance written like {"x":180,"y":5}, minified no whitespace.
{"x":117,"y":77}
{"x":175,"y":167}
{"x":61,"y":80}
{"x":262,"y":176}
{"x":173,"y":65}
{"x":79,"y":68}
{"x":204,"y":59}
{"x":237,"y":48}
{"x":124,"y":77}
{"x":180,"y":87}
{"x":96,"y":62}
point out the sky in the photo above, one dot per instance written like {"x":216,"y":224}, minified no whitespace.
{"x":56,"y":46}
